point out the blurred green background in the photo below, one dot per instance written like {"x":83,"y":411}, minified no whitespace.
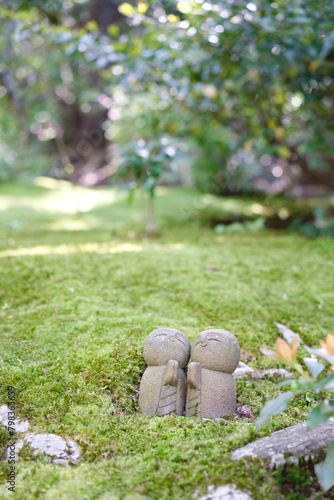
{"x":224,"y":97}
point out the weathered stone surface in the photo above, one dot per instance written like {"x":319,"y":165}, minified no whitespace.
{"x":163,"y":386}
{"x":244,"y":370}
{"x":216,"y":350}
{"x":211,"y":392}
{"x":281,"y":372}
{"x":289,"y":445}
{"x":227,"y":492}
{"x":19,"y":425}
{"x":58,"y":450}
{"x":164,"y":344}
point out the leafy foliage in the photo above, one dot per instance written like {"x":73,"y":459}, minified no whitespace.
{"x":145,"y":163}
{"x":321,"y":413}
{"x":320,"y":227}
{"x":325,"y":469}
{"x":252,"y":81}
{"x":247,"y":86}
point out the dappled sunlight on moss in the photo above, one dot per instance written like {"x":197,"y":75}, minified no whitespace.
{"x":99,"y":248}
{"x":77,"y":306}
{"x":61,"y":197}
{"x":67,"y":223}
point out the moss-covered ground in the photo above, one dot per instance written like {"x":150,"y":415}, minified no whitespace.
{"x":81,"y":287}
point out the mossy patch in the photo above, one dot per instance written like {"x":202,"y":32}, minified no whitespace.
{"x":76,"y":303}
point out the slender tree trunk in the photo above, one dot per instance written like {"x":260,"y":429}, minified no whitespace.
{"x":150,"y":226}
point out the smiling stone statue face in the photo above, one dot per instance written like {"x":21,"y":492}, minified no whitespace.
{"x":216,"y":350}
{"x":165,"y":344}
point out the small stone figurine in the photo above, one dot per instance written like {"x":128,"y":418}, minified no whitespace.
{"x":211,"y":392}
{"x":163,"y":386}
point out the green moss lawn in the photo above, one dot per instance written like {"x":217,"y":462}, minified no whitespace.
{"x":81,"y":287}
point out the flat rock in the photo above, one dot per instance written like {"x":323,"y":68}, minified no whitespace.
{"x":227,"y":492}
{"x":282,"y":372}
{"x":244,"y":370}
{"x":58,"y":450}
{"x":20,"y":425}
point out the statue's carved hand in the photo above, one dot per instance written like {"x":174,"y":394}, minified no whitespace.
{"x":171,"y":373}
{"x":194,"y":375}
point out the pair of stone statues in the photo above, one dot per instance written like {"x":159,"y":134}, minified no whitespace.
{"x":208,"y":391}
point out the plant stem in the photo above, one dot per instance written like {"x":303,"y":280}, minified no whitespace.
{"x":150,"y":227}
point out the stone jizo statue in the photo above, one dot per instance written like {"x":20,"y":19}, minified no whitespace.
{"x":211,"y":391}
{"x":163,"y":387}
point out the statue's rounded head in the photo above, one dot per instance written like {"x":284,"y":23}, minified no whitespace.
{"x":164,"y":344}
{"x":216,"y":350}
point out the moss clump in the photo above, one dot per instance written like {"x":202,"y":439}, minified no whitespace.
{"x":298,"y":482}
{"x":79,"y":294}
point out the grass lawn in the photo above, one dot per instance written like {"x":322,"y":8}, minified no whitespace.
{"x":81,"y":288}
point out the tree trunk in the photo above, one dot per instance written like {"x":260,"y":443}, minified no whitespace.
{"x":150,"y":226}
{"x":84,"y":140}
{"x":289,"y":445}
{"x":318,"y":177}
{"x":105,"y":13}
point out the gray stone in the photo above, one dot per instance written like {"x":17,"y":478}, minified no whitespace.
{"x":19,"y":425}
{"x":58,"y":450}
{"x":289,"y":445}
{"x":211,"y":392}
{"x":244,"y":370}
{"x":282,"y":372}
{"x":163,"y":386}
{"x":227,"y":492}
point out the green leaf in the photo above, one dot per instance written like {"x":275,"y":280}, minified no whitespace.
{"x":325,"y":470}
{"x":320,"y":414}
{"x":150,"y":185}
{"x":298,"y":385}
{"x":319,"y":351}
{"x":113,"y":30}
{"x":314,"y":366}
{"x":286,"y":382}
{"x":126,"y":9}
{"x":325,"y":383}
{"x":131,"y":195}
{"x":274,"y":407}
